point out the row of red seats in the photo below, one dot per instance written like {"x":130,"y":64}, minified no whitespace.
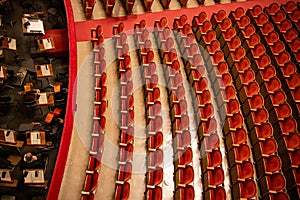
{"x":288,"y":142}
{"x":99,"y":122}
{"x":212,"y":171}
{"x":153,"y":114}
{"x":292,"y":47}
{"x":241,"y":168}
{"x":268,"y":146}
{"x":183,"y":155}
{"x":127,"y":113}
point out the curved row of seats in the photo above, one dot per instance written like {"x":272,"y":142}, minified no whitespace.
{"x":279,"y":112}
{"x":127,"y":113}
{"x":183,"y":155}
{"x":254,"y":104}
{"x":268,"y":145}
{"x":99,"y":120}
{"x":288,"y":48}
{"x":212,"y":171}
{"x":88,"y":5}
{"x":153,"y":113}
{"x":241,"y":167}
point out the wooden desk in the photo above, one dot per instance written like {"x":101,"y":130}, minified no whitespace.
{"x":9,"y":43}
{"x":44,"y":71}
{"x":45,"y":44}
{"x":19,"y":144}
{"x":32,"y":25}
{"x":34,"y":177}
{"x":3,"y":74}
{"x":6,"y":176}
{"x":8,"y":136}
{"x":36,"y":138}
{"x":45,"y":99}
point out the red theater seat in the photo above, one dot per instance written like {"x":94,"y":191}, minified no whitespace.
{"x":248,"y":30}
{"x":258,"y":50}
{"x":256,"y":10}
{"x":279,"y":16}
{"x":155,"y":177}
{"x":126,"y":153}
{"x":256,"y":102}
{"x":122,"y":191}
{"x":293,"y":81}
{"x":245,"y":189}
{"x":155,"y":158}
{"x":268,"y":73}
{"x":222,"y":68}
{"x":277,"y":47}
{"x":217,"y":193}
{"x":154,"y":193}
{"x":184,"y":176}
{"x":247,"y":77}
{"x":243,"y":22}
{"x":238,"y":54}
{"x":253,"y":40}
{"x":290,"y":35}
{"x":209,"y":126}
{"x":264,"y":130}
{"x":295,"y":15}
{"x":203,"y":98}
{"x":236,"y":121}
{"x":268,"y":146}
{"x":155,"y":125}
{"x":212,"y":160}
{"x":251,"y":89}
{"x":126,"y":136}
{"x":239,"y":136}
{"x":289,"y":6}
{"x":263,"y":61}
{"x":243,"y":64}
{"x":184,"y":158}
{"x":211,"y":142}
{"x":288,"y":125}
{"x":267,"y":28}
{"x":273,"y":183}
{"x":272,"y":37}
{"x":213,"y":178}
{"x":225,"y":24}
{"x":272,"y":163}
{"x":242,"y":152}
{"x":278,"y":97}
{"x":261,"y":19}
{"x":229,"y":34}
{"x":206,"y":112}
{"x":296,"y":94}
{"x":283,"y":111}
{"x":284,"y":25}
{"x":155,"y":141}
{"x":295,"y":45}
{"x":232,"y":107}
{"x":238,"y":13}
{"x":273,"y":85}
{"x":272,"y":9}
{"x":184,"y":193}
{"x":124,"y":172}
{"x":183,"y":139}
{"x":209,"y":37}
{"x":218,"y":57}
{"x":292,"y":141}
{"x":244,"y":171}
{"x":234,"y":43}
{"x":94,"y":163}
{"x":279,"y":196}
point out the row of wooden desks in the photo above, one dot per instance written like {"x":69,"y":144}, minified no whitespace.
{"x":35,"y":139}
{"x":32,"y":177}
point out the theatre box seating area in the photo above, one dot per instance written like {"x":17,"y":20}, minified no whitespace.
{"x":242,"y":72}
{"x":34,"y":88}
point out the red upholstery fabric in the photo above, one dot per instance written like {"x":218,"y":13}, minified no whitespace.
{"x":242,"y":152}
{"x":214,"y":158}
{"x":209,"y":126}
{"x":245,"y":170}
{"x":212,"y":142}
{"x":247,"y":189}
{"x":216,"y":176}
{"x":292,"y":140}
{"x":232,"y":106}
{"x":218,"y":193}
{"x":288,"y":125}
{"x":264,"y":130}
{"x":268,"y":146}
{"x":256,"y":101}
{"x":276,"y":181}
{"x":272,"y":163}
{"x":248,"y":76}
{"x":278,"y":97}
{"x":239,"y":136}
{"x":236,"y":121}
{"x":251,"y":89}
